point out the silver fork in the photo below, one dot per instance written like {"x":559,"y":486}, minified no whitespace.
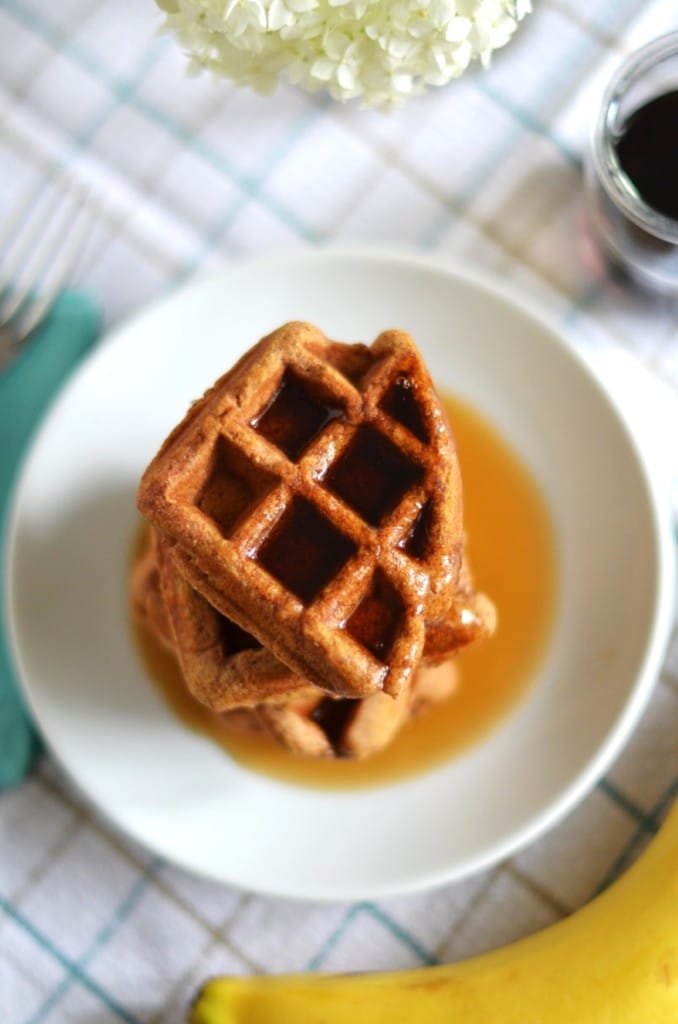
{"x":39,"y":247}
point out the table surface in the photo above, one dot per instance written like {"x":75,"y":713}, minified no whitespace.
{"x":185,"y":174}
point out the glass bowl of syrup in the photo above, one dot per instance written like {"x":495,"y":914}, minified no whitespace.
{"x":632,"y":167}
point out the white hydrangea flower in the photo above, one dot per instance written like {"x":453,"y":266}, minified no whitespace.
{"x":380,"y":51}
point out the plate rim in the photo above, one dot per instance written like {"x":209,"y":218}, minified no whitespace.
{"x":525,"y":304}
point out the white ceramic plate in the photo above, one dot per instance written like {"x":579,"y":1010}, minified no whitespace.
{"x":177,"y":792}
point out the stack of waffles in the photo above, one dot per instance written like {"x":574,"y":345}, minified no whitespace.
{"x":306,"y":562}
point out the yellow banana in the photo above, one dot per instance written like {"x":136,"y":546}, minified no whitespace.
{"x":615,"y":961}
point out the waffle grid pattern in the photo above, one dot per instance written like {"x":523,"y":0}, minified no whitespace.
{"x":307,"y":535}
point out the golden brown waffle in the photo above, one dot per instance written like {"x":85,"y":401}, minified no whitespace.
{"x":225,"y":668}
{"x":330,"y":727}
{"x":313,"y":497}
{"x":345,"y":727}
{"x":295,"y":713}
{"x":148,"y":606}
{"x":471,"y":619}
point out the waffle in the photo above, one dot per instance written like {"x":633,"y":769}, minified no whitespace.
{"x":249,"y":691}
{"x":313,"y":497}
{"x":331,"y":727}
{"x":350,"y":728}
{"x":148,"y":606}
{"x":225,"y":668}
{"x":302,"y":718}
{"x":471,"y":619}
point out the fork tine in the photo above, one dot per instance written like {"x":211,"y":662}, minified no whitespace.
{"x":55,"y":228}
{"x":23,"y":231}
{"x":57,"y":273}
{"x":39,"y":247}
{"x":13,"y":223}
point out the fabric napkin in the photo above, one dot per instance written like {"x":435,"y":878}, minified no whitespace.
{"x":26,"y":388}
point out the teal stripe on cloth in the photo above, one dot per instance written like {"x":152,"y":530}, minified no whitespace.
{"x":78,"y":969}
{"x":108,"y":1002}
{"x":26,"y":388}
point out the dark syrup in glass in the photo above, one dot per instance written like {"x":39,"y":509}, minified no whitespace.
{"x":647,"y":151}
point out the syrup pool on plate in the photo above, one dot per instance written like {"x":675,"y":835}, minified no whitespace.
{"x":511,"y":548}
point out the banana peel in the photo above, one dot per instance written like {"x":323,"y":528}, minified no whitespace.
{"x":614,"y":961}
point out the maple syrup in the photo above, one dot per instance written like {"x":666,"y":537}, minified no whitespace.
{"x":374,"y":623}
{"x":293,"y":417}
{"x":400,"y":402}
{"x":512,"y":552}
{"x":416,"y":542}
{"x":372,"y":474}
{"x":304,"y":550}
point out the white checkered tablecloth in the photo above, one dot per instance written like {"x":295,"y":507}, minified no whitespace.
{"x":190,"y":173}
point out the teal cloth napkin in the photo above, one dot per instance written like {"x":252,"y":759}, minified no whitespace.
{"x":26,"y":388}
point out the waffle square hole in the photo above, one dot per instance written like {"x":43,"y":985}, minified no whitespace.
{"x":415,"y":544}
{"x":401,"y":403}
{"x":294,"y":416}
{"x":234,"y":639}
{"x":232,"y":487}
{"x":376,"y":621}
{"x":372,"y":475}
{"x":304,"y":550}
{"x":334,"y":716}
